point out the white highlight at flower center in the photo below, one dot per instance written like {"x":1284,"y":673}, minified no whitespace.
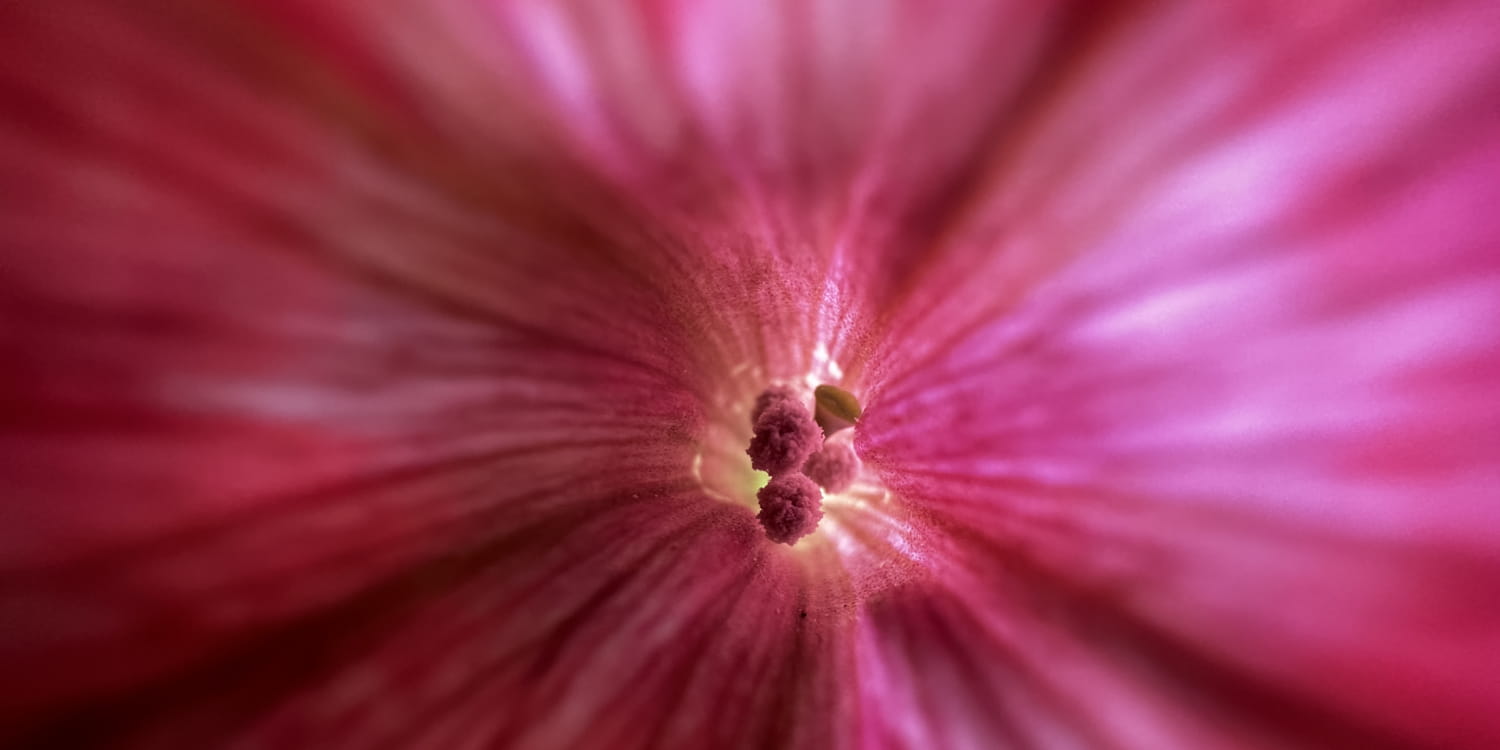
{"x":825,"y":367}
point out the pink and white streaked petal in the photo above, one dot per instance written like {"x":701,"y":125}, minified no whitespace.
{"x":1241,"y":427}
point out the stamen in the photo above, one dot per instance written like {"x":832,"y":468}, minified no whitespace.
{"x":773,"y":395}
{"x":834,"y":466}
{"x":785,"y":435}
{"x":790,"y":508}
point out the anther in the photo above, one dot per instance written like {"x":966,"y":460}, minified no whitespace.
{"x":785,"y":435}
{"x":773,"y":395}
{"x":833,"y":467}
{"x":790,"y":508}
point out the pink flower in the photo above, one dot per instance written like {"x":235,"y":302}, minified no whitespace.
{"x":378,"y":374}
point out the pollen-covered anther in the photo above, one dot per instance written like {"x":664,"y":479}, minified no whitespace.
{"x":785,"y":435}
{"x":833,"y":467}
{"x":790,"y":508}
{"x":774,"y":395}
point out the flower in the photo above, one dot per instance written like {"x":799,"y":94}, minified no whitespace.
{"x":378,"y":374}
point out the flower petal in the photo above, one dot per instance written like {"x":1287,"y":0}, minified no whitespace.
{"x":1213,"y":393}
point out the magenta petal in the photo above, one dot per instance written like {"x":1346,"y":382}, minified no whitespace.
{"x":1232,"y":427}
{"x":246,"y":407}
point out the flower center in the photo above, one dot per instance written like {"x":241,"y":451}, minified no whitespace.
{"x":789,"y":444}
